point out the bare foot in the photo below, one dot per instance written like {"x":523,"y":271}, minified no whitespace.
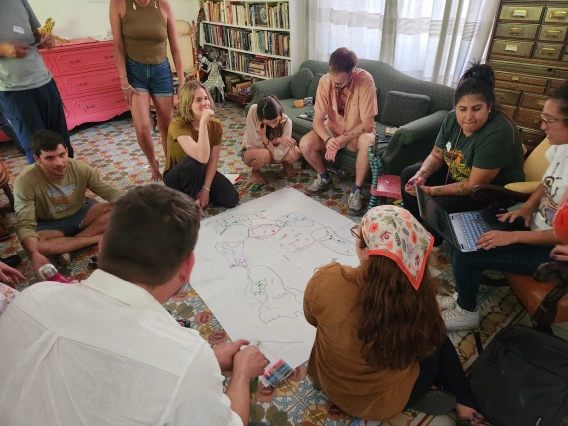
{"x":156,"y":175}
{"x":256,"y":177}
{"x":289,"y":170}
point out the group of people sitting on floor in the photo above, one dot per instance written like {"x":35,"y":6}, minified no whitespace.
{"x":106,"y":352}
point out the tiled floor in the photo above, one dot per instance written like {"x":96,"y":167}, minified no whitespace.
{"x":112,"y":149}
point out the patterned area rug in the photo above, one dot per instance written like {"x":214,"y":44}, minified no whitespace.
{"x":112,"y":149}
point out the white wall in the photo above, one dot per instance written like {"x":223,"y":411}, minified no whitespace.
{"x":84,"y":18}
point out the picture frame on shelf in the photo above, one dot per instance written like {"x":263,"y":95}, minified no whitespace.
{"x":262,"y":16}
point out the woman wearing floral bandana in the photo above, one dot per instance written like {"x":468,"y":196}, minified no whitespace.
{"x":381,"y":343}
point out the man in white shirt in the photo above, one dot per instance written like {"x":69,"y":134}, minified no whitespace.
{"x":105,"y":351}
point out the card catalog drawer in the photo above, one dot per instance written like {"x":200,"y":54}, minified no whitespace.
{"x":523,"y":31}
{"x":533,"y":101}
{"x":520,"y":78}
{"x":509,"y":110}
{"x":512,"y":48}
{"x":531,"y":138}
{"x":510,"y":97}
{"x":84,"y":59}
{"x":548,"y":51}
{"x":552,"y":33}
{"x":517,"y":86}
{"x":521,"y":13}
{"x":529,"y":117}
{"x":556,"y":14}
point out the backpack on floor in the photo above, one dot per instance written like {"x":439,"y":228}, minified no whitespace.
{"x":521,"y":379}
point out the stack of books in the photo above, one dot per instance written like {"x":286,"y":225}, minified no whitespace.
{"x":258,"y":66}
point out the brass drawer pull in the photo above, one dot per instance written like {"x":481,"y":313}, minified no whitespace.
{"x":519,"y":13}
{"x":516,"y":31}
{"x":515,"y":78}
{"x":547,"y":51}
{"x":536,"y":120}
{"x":540,"y":102}
{"x":553,"y":33}
{"x":511,"y":48}
{"x":560,"y":14}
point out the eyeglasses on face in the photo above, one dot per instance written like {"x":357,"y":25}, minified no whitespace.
{"x":551,"y":120}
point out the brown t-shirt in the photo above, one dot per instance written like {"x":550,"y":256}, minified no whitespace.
{"x":179,"y":128}
{"x":336,"y":364}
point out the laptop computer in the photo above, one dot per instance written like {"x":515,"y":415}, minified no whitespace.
{"x":462,"y":230}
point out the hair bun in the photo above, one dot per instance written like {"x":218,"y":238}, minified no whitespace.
{"x":481,"y":72}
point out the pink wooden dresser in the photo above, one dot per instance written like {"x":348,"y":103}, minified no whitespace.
{"x":87,"y":79}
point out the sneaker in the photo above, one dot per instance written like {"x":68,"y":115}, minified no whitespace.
{"x":355,"y":203}
{"x":318,"y":186}
{"x":460,"y":319}
{"x":447,"y":302}
{"x":436,"y":402}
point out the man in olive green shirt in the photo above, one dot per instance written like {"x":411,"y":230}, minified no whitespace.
{"x":52,"y":213}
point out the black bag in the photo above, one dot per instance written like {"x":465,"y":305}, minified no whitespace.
{"x":521,"y":379}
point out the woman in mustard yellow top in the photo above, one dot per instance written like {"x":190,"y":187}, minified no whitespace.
{"x":140,"y":29}
{"x":380,"y":341}
{"x":194,"y":145}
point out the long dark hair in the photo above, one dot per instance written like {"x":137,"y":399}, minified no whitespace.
{"x":561,"y":95}
{"x":478,"y":80}
{"x":399,"y":325}
{"x":270,"y":108}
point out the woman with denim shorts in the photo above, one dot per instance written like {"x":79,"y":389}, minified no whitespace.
{"x":140,"y":29}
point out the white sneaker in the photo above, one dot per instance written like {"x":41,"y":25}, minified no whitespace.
{"x":355,"y":203}
{"x":447,"y":302}
{"x":460,"y":319}
{"x":318,"y":186}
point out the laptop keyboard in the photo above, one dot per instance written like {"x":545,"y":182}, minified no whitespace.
{"x":473,"y":226}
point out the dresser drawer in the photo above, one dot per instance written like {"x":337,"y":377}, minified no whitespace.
{"x":548,"y":51}
{"x":521,"y":13}
{"x":509,"y":110}
{"x":520,"y":78}
{"x":556,"y":14}
{"x":84,"y":59}
{"x":48,"y":61}
{"x":510,"y":97}
{"x":88,"y":82}
{"x":533,"y":101}
{"x":512,"y":48}
{"x":531,"y":138}
{"x":521,"y":31}
{"x":529,"y":117}
{"x":552,"y":33}
{"x":517,"y":86}
{"x":96,"y":104}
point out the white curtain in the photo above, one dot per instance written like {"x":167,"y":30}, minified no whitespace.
{"x":432,"y":40}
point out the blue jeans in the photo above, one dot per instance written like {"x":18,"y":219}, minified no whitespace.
{"x":467,"y":267}
{"x":154,"y":79}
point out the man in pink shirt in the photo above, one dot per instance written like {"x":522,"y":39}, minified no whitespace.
{"x":347,"y":96}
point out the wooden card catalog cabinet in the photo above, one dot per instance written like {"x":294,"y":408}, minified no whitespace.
{"x":528,"y":53}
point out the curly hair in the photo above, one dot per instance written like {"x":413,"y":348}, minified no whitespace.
{"x":399,"y":325}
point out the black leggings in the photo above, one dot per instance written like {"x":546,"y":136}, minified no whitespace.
{"x":450,"y":203}
{"x":442,"y":369}
{"x":188,"y":176}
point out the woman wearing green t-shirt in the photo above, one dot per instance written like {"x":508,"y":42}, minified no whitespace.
{"x":477,"y":144}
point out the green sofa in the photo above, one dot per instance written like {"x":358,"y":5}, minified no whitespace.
{"x":411,"y":143}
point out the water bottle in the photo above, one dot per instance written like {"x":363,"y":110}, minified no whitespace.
{"x":49,"y":273}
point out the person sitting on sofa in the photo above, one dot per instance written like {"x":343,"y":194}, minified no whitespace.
{"x":380,"y":342}
{"x":268,"y":138}
{"x":477,"y":144}
{"x":53,"y":215}
{"x":347,"y":96}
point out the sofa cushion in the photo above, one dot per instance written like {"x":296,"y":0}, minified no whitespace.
{"x":301,"y":83}
{"x":313,"y":89}
{"x":402,"y":108}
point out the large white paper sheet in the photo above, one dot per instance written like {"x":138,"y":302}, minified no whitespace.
{"x":253,"y":263}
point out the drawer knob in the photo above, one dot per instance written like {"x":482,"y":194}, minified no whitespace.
{"x":516,"y":31}
{"x":108,"y":56}
{"x":511,"y":48}
{"x":547,"y":51}
{"x":559,"y":14}
{"x":520,"y":13}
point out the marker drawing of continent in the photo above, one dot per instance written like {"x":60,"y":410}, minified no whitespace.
{"x":231,"y":220}
{"x":329,"y":239}
{"x":275,"y":300}
{"x":234,"y":253}
{"x":294,"y":219}
{"x":293,"y":240}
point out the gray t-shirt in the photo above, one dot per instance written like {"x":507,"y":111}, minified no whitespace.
{"x":17,"y":20}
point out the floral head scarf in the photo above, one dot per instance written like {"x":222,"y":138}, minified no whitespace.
{"x":393,"y":232}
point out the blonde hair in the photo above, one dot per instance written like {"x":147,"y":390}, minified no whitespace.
{"x":186,"y":95}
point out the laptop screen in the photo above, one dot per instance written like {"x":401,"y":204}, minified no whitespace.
{"x":435,"y":216}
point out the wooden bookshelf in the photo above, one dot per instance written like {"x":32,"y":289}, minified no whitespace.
{"x":259,"y":37}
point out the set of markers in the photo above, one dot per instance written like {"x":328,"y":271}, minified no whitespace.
{"x":276,"y":374}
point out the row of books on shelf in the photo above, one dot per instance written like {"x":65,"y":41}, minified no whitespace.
{"x":258,"y":65}
{"x":227,"y":37}
{"x":274,"y":16}
{"x":272,"y":43}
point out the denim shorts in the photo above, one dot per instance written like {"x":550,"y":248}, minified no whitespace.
{"x":155,"y":79}
{"x":69,"y":226}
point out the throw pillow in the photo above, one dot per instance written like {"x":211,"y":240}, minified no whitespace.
{"x":402,"y":108}
{"x":313,"y":89}
{"x":301,"y":83}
